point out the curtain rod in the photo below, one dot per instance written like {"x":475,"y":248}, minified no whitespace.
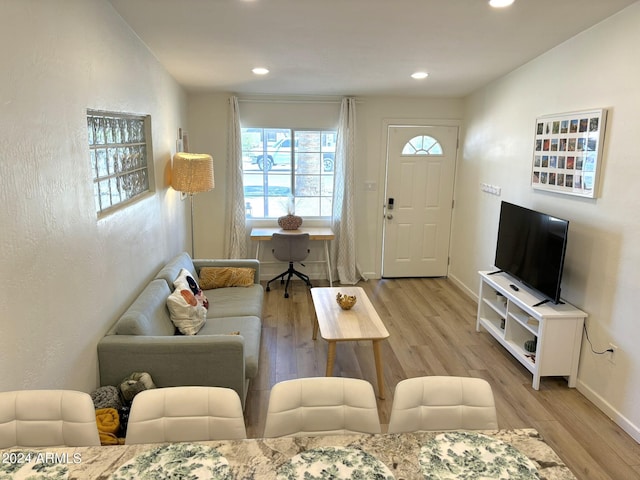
{"x":274,"y":99}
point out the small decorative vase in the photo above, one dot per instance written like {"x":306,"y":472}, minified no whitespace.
{"x":530,"y":346}
{"x":290,"y":222}
{"x":346,"y":301}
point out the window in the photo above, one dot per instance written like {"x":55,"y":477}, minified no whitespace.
{"x":422,"y":145}
{"x":283,"y":163}
{"x":118,"y":146}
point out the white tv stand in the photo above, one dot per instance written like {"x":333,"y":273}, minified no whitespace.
{"x":512,"y":318}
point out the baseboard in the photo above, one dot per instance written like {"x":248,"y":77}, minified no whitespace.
{"x":312,"y":276}
{"x":463,"y":287}
{"x":617,"y":418}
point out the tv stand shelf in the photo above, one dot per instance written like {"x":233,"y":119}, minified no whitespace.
{"x":515,"y":316}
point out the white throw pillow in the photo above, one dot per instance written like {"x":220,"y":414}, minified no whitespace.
{"x":186,"y":312}
{"x":186,"y":281}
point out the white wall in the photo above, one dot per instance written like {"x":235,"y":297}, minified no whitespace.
{"x":208,"y":129}
{"x":65,"y":274}
{"x":594,"y":69}
{"x":373,"y":116}
{"x":207,"y":119}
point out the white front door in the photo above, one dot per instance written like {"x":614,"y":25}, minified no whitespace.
{"x":419,"y":199}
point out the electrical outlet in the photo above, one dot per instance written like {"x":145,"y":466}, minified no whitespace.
{"x":613,"y":353}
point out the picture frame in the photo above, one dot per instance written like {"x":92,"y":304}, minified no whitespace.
{"x":567,"y":152}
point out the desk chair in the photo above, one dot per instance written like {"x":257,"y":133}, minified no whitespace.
{"x":185,"y":414}
{"x":290,"y":248}
{"x":47,"y":418}
{"x":321,"y":406}
{"x":442,"y":404}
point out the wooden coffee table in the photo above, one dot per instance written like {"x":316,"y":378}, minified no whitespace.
{"x":336,"y":325}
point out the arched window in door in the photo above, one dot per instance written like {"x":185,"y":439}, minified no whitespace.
{"x":422,"y":145}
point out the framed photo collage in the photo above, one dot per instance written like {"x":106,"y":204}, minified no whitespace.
{"x":567,"y":152}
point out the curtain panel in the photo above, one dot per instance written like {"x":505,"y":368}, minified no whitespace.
{"x":343,"y":248}
{"x":236,"y":234}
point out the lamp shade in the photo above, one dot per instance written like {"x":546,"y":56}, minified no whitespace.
{"x":192,"y":172}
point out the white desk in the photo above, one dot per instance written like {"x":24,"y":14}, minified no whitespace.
{"x":324,"y":234}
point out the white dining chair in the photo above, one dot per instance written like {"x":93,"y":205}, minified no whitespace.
{"x":47,"y":418}
{"x":321,"y":406}
{"x":185,"y":414}
{"x":441,"y":404}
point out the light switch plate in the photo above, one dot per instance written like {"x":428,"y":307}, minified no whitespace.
{"x":491,"y":189}
{"x":370,"y":186}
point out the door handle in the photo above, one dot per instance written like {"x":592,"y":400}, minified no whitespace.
{"x":389,"y":216}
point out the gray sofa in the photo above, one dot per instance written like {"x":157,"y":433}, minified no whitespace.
{"x":144,"y":339}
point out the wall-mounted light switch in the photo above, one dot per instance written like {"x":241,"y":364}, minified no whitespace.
{"x":492,"y":189}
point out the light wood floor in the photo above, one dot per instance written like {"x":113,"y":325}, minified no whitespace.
{"x":432,"y":328}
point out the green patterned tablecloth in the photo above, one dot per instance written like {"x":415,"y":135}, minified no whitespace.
{"x":400,"y":456}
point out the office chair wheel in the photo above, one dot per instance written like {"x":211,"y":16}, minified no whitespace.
{"x":282,"y":282}
{"x":286,"y":295}
{"x":268,"y":288}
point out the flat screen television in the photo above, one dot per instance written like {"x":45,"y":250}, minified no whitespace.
{"x":531,"y":248}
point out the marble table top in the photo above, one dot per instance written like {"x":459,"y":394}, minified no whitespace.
{"x":398,"y":456}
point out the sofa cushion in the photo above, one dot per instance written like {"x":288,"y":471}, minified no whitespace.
{"x":249,"y":327}
{"x":232,"y":301}
{"x":171,"y":270}
{"x":148,"y":314}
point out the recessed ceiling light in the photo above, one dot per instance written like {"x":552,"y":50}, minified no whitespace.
{"x":260,"y":71}
{"x":419,"y":75}
{"x":500,"y":3}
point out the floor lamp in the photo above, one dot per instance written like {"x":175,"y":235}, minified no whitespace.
{"x":192,"y":173}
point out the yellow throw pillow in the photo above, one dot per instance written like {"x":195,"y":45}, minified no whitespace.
{"x":219,"y":277}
